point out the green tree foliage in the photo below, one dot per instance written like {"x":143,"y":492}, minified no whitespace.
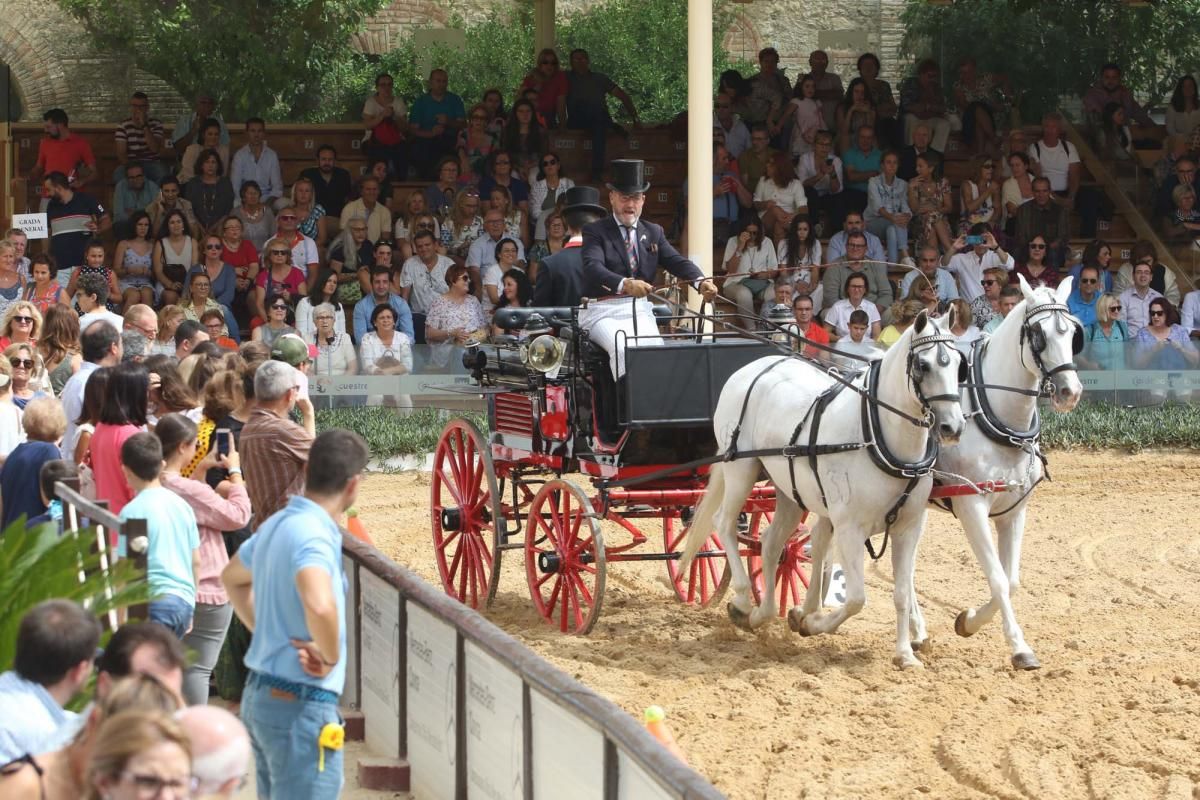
{"x":37,"y":564}
{"x":1052,"y":49}
{"x":258,"y":57}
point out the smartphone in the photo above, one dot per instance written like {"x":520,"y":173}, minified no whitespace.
{"x":224,"y":441}
{"x":302,"y":379}
{"x":829,"y":160}
{"x":974,"y":240}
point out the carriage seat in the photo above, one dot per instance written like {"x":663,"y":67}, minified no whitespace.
{"x":514,"y":318}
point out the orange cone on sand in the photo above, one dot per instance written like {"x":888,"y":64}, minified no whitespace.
{"x":656,"y":723}
{"x":355,"y":526}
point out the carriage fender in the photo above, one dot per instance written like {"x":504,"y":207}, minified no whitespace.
{"x":553,"y":422}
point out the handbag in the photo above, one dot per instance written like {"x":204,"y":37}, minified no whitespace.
{"x":386,"y":133}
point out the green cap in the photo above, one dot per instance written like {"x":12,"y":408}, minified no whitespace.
{"x":655,"y":714}
{"x":290,"y":349}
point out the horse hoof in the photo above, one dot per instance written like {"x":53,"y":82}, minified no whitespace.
{"x":960,"y":624}
{"x":912,"y":662}
{"x":1026,"y":661}
{"x":923,"y":646}
{"x":795,"y":621}
{"x":739,"y":618}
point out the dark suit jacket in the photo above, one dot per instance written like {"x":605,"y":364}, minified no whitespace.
{"x":908,"y":162}
{"x":606,"y":261}
{"x":560,"y":279}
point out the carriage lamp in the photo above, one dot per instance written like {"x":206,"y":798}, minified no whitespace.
{"x":545,"y":353}
{"x":779,"y":316}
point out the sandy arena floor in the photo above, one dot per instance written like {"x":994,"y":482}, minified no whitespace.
{"x":1109,"y":603}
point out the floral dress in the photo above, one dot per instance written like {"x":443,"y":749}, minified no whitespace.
{"x":458,"y":239}
{"x":930,"y":193}
{"x":476,"y":155}
{"x":446,"y":315}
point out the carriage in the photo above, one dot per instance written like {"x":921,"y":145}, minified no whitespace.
{"x":559,"y":421}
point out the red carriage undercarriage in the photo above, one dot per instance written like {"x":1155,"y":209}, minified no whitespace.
{"x":644,"y":445}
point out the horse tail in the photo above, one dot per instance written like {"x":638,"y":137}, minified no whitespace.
{"x":702,"y":520}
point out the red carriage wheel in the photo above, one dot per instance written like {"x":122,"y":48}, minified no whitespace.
{"x":564,"y":557}
{"x":467,"y":522}
{"x":707,"y":578}
{"x":791,"y":579}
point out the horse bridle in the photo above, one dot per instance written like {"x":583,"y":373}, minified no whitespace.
{"x":916,"y":374}
{"x":1037,"y":339}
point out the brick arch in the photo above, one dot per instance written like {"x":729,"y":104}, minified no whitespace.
{"x":39,"y":79}
{"x":742,"y":39}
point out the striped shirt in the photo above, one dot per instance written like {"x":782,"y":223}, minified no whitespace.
{"x":273,"y":452}
{"x":135,"y":139}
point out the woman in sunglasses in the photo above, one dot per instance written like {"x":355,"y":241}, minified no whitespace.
{"x":555,"y":238}
{"x":986,"y":306}
{"x":550,"y":185}
{"x":1164,"y":343}
{"x":414,"y":211}
{"x":278,"y":279}
{"x":280,"y":321}
{"x":1106,"y":338}
{"x":22,"y":323}
{"x":552,"y":85}
{"x":475,"y":144}
{"x":465,"y":224}
{"x":26,"y":373}
{"x":222,"y":277}
{"x":198,"y":299}
{"x":1034,"y":266}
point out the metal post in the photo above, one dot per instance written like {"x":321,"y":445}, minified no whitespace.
{"x":700,"y":116}
{"x":543,"y":24}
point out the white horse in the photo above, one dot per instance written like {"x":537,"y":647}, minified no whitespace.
{"x":780,"y":402}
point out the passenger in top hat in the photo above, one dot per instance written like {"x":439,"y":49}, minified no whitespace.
{"x":621,"y":254}
{"x":560,"y":276}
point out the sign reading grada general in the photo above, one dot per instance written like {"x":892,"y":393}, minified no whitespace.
{"x":34,"y":225}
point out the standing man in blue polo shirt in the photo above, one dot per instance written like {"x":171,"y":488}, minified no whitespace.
{"x":286,"y":584}
{"x":436,"y":118}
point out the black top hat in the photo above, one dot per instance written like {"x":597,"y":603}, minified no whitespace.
{"x":628,"y":176}
{"x":583,"y":199}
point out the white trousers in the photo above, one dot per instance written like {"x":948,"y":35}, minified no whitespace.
{"x":605,"y":320}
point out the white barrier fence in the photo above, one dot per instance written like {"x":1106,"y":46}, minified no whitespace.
{"x":475,"y":713}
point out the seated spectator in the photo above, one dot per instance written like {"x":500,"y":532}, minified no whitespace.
{"x":931,"y":200}
{"x":837,"y":318}
{"x":1098,"y":254}
{"x":463,"y":226}
{"x":1034,"y":266}
{"x":133,"y":262}
{"x":21,"y":324}
{"x":854,"y":223}
{"x":783,"y":292}
{"x":386,"y":118}
{"x":304,"y":250}
{"x":1190,"y":313}
{"x":222,"y":277}
{"x":1105,"y":340}
{"x":257,"y":162}
{"x":335,"y":352}
{"x":736,"y":134}
{"x":11,"y":282}
{"x":331,"y":182}
{"x":886,"y":123}
{"x":551,"y":83}
{"x":91,"y":302}
{"x":962,"y":326}
{"x":209,"y":191}
{"x":187,"y":127}
{"x":140,"y":140}
{"x":199,"y":301}
{"x":515,"y":220}
{"x":887,"y":215}
{"x":483,"y":251}
{"x":423,"y":279}
{"x":902,"y":314}
{"x":174,"y":254}
{"x":1137,"y":298}
{"x":750,"y":267}
{"x":384,"y":350}
{"x":440,"y":195}
{"x":1014,"y":142}
{"x":378,"y":169}
{"x":44,"y":423}
{"x":225,"y":508}
{"x":169,"y":317}
{"x":779,"y":197}
{"x":550,"y":185}
{"x":20,"y":243}
{"x":829,"y":87}
{"x":368,"y":207}
{"x":435,"y":117}
{"x":139,"y":744}
{"x":1046,"y":219}
{"x":1017,"y":190}
{"x":221,"y":750}
{"x":506,"y":256}
{"x":456,"y":317}
{"x":189,"y":335}
{"x":499,"y":172}
{"x":55,"y":646}
{"x":525,"y":138}
{"x":58,"y":346}
{"x":924,"y":293}
{"x":855,"y":262}
{"x":730,"y":196}
{"x":258,"y":220}
{"x":1162,"y":343}
{"x":552,"y":242}
{"x":855,"y":112}
{"x":1114,"y":141}
{"x":210,"y":139}
{"x":1184,"y":224}
{"x":1084,"y":295}
{"x":1110,"y":89}
{"x":921,"y":137}
{"x":279,"y":321}
{"x":981,"y":100}
{"x":806,"y":117}
{"x":42,"y":289}
{"x":1010,"y":295}
{"x":413,"y":211}
{"x":752,"y":163}
{"x":929,"y":269}
{"x":986,"y":306}
{"x":27,"y":376}
{"x":493,"y":101}
{"x":921,"y":102}
{"x":807,"y":327}
{"x":1054,"y":159}
{"x":1183,"y":110}
{"x":981,"y":196}
{"x":821,"y":174}
{"x":279,"y":277}
{"x":131,"y":196}
{"x":769,"y":93}
{"x":325,"y":290}
{"x":169,"y":200}
{"x":351,"y":253}
{"x":1162,"y":280}
{"x":216,"y":326}
{"x":969,"y":263}
{"x":381,"y":294}
{"x":856,"y":345}
{"x":799,"y":257}
{"x":310,"y":215}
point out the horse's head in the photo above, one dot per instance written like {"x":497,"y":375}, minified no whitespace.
{"x":936,"y":368}
{"x":1050,"y":338}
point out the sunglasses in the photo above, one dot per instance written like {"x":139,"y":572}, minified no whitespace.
{"x":1114,"y":309}
{"x":1153,"y":313}
{"x":279,"y":252}
{"x":549,"y":162}
{"x":287,"y":216}
{"x":213,"y":246}
{"x":279,"y":307}
{"x":989,"y":282}
{"x":1089,"y":280}
{"x":23,"y":320}
{"x":1037,"y":247}
{"x":21,"y":363}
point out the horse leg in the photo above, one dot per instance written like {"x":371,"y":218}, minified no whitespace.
{"x":820,"y":536}
{"x":739,"y":476}
{"x":905,"y":536}
{"x":850,"y":543}
{"x":1009,"y":532}
{"x":787,"y":516}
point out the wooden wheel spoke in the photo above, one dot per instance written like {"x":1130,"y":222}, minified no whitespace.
{"x":450,"y":538}
{"x":550,"y":602}
{"x":545,"y":577}
{"x":582,"y":587}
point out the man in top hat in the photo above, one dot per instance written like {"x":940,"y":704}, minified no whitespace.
{"x":560,"y":276}
{"x":621,"y":254}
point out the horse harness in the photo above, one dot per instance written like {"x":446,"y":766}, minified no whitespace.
{"x":875,"y":444}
